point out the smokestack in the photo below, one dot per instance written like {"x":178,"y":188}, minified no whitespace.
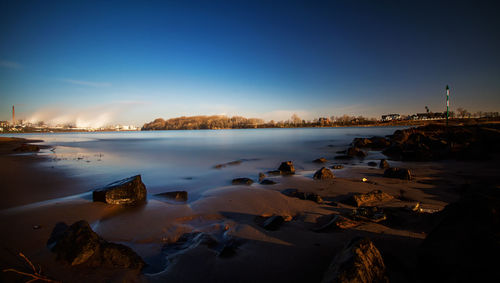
{"x":13,"y":115}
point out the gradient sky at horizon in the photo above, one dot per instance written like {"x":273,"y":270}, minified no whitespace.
{"x":132,"y":62}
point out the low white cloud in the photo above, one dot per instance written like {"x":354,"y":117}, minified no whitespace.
{"x":91,"y":117}
{"x":10,"y":65}
{"x":87,"y":83}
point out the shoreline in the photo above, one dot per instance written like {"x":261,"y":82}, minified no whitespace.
{"x":293,"y":253}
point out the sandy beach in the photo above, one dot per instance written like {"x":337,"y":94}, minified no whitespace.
{"x":34,"y":201}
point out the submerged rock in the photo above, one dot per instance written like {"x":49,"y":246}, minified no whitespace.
{"x":356,"y":152}
{"x":267,"y":182}
{"x":320,"y":160}
{"x":262,"y":176}
{"x":129,"y":191}
{"x":273,"y":223}
{"x":27,"y":148}
{"x":359,"y":261}
{"x":372,"y":163}
{"x":323,"y":174}
{"x":242,"y":181}
{"x":79,"y":245}
{"x":287,"y":167}
{"x":366,"y":198}
{"x":176,"y":195}
{"x":399,"y":173}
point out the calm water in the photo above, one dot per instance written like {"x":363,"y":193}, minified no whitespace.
{"x":185,"y":160}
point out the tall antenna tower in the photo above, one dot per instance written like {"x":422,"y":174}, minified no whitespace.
{"x":13,"y":115}
{"x":447,"y":103}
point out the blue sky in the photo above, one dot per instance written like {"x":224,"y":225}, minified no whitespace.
{"x":137,"y":61}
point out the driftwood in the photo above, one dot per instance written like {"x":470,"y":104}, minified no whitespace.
{"x":36,"y":275}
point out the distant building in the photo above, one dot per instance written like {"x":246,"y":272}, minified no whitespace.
{"x":390,"y":117}
{"x":429,"y":116}
{"x":4,"y":123}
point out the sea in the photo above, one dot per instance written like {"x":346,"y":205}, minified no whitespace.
{"x":187,"y":159}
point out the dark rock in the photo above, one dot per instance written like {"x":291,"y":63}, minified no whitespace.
{"x":399,"y":173}
{"x":361,"y":142}
{"x":176,"y":195}
{"x":379,"y":142}
{"x":27,"y":148}
{"x":356,"y":152}
{"x":371,"y":163}
{"x":465,"y":244}
{"x":336,"y":222}
{"x":287,"y":168}
{"x":242,"y":181}
{"x":337,"y":166}
{"x":323,"y":174}
{"x":273,"y":223}
{"x":261,"y":176}
{"x":369,"y":213}
{"x":359,"y":261}
{"x":267,"y":182}
{"x":320,"y":160}
{"x":302,"y":195}
{"x":274,"y":172}
{"x":370,"y":197}
{"x":79,"y":245}
{"x":384,"y":164}
{"x":129,"y":191}
{"x":341,"y":152}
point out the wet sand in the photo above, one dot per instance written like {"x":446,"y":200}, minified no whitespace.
{"x":32,"y":195}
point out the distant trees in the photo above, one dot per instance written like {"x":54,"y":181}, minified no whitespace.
{"x":203,"y":122}
{"x":462,"y":112}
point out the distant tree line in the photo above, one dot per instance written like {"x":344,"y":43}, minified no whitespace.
{"x":237,"y":122}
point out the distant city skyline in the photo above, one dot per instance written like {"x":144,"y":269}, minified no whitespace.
{"x":129,"y":63}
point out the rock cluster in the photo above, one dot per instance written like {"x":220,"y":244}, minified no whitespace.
{"x":79,"y":245}
{"x":129,"y":191}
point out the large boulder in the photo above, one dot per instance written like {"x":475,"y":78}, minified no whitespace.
{"x":287,"y":167}
{"x":360,"y":261}
{"x":370,"y":197}
{"x":465,"y":245}
{"x":129,"y":191}
{"x":398,"y":173}
{"x":323,"y":174}
{"x":79,"y":245}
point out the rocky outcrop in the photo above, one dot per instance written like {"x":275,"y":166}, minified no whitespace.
{"x":129,"y":191}
{"x":398,"y":173}
{"x":27,"y":148}
{"x":373,"y":142}
{"x":175,"y":195}
{"x":368,"y":198}
{"x":323,"y":174}
{"x":242,"y":181}
{"x":79,"y":245}
{"x":287,"y":168}
{"x":359,"y":261}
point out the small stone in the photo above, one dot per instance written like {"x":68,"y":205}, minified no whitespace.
{"x":176,"y":195}
{"x":287,"y":167}
{"x":383,"y":164}
{"x":337,"y":166}
{"x":242,"y":181}
{"x":320,"y":160}
{"x":261,"y":176}
{"x":267,"y":182}
{"x":398,"y":173}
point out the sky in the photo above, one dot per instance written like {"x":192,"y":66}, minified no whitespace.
{"x":130,"y":62}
